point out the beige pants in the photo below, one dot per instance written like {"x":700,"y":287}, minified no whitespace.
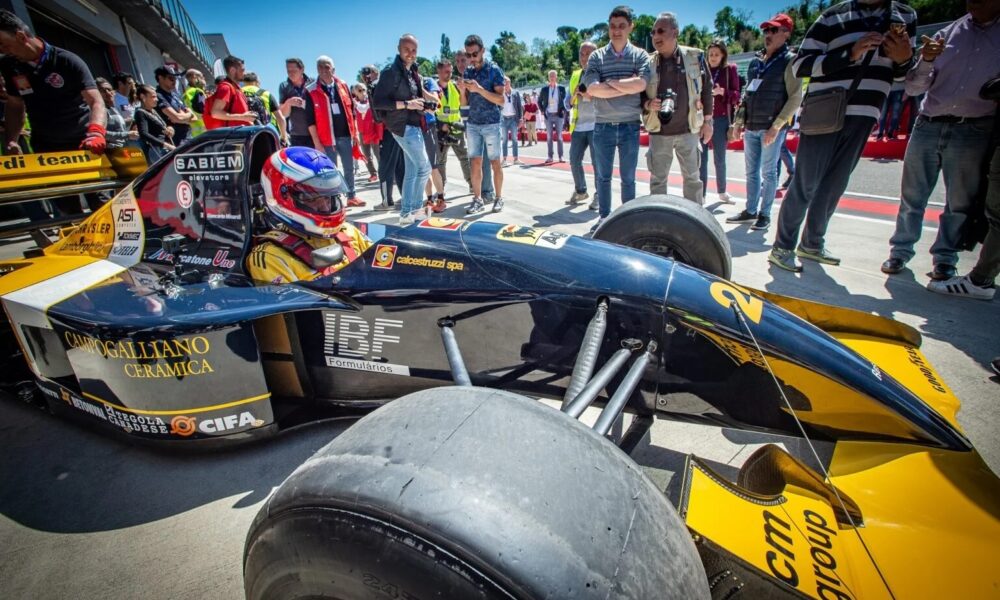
{"x":660,"y":156}
{"x":532,"y":135}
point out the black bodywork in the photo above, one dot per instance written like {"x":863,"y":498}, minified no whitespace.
{"x":210,"y":355}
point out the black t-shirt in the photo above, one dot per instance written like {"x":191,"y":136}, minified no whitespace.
{"x":299,"y":119}
{"x":51,"y":94}
{"x":340,"y":128}
{"x":170,"y":98}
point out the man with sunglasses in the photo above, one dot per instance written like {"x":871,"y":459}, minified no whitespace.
{"x":684,"y":72}
{"x":867,"y":40}
{"x":615,"y":77}
{"x":770,"y":100}
{"x":170,"y":106}
{"x":483,"y":86}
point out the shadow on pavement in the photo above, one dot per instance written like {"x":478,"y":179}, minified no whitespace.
{"x":743,"y":241}
{"x":944,"y":318}
{"x":61,"y":477}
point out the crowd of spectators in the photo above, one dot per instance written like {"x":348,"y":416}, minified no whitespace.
{"x":862,"y":54}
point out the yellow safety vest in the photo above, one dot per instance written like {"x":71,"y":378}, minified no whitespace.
{"x":574,"y":82}
{"x":198,"y":125}
{"x":265,"y":97}
{"x":450,"y":109}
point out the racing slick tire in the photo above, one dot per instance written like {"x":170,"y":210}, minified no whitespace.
{"x":470,"y":493}
{"x":673,"y":227}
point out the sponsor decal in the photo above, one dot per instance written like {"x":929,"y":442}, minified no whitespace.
{"x":531,"y":236}
{"x":153,"y":359}
{"x":134,"y":423}
{"x":209,"y":163}
{"x":442,"y":223}
{"x":186,"y":426}
{"x":365,"y":365}
{"x":221,"y":259}
{"x":432,"y":263}
{"x":185,"y":194}
{"x":128,"y":236}
{"x":780,"y":558}
{"x":128,"y":227}
{"x":49,"y":393}
{"x":384,"y":256}
{"x":55,"y":80}
{"x":925,"y":370}
{"x":32,"y":162}
{"x":352,"y":336}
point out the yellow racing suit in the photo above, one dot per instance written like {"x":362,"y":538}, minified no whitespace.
{"x":282,"y":255}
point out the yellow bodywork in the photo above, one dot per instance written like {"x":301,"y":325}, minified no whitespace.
{"x":930,"y":518}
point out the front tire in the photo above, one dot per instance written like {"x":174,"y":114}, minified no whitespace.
{"x":470,"y":493}
{"x":672,"y":227}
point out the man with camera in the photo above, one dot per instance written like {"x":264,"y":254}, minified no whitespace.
{"x":451,"y":129}
{"x":772,"y":96}
{"x":677,"y":107}
{"x":581,"y":128}
{"x":857,"y":47}
{"x":399,"y":93}
{"x":483,"y":86}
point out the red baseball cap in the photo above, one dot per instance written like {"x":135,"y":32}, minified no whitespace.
{"x":779,"y":20}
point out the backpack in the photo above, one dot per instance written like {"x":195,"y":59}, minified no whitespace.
{"x":255,"y":101}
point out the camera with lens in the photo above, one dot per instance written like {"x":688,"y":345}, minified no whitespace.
{"x":450,"y":134}
{"x":582,"y":88}
{"x":430,"y":104}
{"x":666,"y":99}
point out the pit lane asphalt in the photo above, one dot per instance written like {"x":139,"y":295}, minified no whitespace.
{"x":84,"y":516}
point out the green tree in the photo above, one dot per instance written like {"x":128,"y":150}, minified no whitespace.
{"x":736,"y":28}
{"x":694,"y":37}
{"x":507,"y":52}
{"x":563,"y":32}
{"x":642,"y":31}
{"x":445,"y":53}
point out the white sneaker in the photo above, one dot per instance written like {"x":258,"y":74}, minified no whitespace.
{"x":506,"y":163}
{"x":517,"y":161}
{"x":405,"y":220}
{"x":725,"y":199}
{"x":963,"y":287}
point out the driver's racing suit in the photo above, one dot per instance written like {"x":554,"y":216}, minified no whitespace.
{"x":282,"y":255}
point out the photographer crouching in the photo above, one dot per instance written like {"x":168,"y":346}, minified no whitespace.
{"x":677,"y":107}
{"x":400,"y":94}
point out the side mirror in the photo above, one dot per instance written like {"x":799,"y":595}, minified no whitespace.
{"x":327,"y":256}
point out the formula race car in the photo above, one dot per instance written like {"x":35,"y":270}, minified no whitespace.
{"x":474,"y":349}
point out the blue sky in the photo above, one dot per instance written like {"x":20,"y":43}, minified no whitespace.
{"x":358,"y":33}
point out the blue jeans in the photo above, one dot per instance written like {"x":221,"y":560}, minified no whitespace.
{"x":509,"y":126}
{"x":579,"y":142}
{"x":417,"y":169}
{"x":345,"y":148}
{"x":607,"y":138}
{"x":484,"y":140}
{"x":762,"y":161}
{"x":786,"y":159}
{"x":957,"y":151}
{"x":893,"y":104}
{"x":720,"y":130}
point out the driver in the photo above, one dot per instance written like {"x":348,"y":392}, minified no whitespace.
{"x":304,"y":211}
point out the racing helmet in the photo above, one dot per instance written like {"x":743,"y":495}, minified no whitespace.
{"x":302,"y":190}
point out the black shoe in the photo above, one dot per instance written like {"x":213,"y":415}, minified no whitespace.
{"x":743,"y":217}
{"x":996,"y":365}
{"x":761,"y":223}
{"x":787,"y":182}
{"x":893,"y":266}
{"x":942,"y":272}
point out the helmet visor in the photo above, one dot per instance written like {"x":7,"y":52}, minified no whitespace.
{"x":313,"y":201}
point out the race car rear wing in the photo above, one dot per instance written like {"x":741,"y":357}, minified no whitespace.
{"x":43,"y":176}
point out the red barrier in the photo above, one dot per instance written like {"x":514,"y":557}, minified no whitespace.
{"x":884,"y":149}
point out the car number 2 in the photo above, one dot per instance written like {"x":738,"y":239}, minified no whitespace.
{"x":725,"y":294}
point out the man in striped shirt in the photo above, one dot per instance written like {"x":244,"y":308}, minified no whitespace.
{"x":615,"y":77}
{"x":832,"y":55}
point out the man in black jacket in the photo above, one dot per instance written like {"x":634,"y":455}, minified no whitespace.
{"x":399,"y":94}
{"x":552,"y":104}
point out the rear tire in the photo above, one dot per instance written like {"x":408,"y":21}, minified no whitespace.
{"x":470,"y":493}
{"x":672,"y":227}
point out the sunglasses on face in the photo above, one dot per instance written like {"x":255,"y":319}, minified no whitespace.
{"x":772,"y":30}
{"x":474,"y":54}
